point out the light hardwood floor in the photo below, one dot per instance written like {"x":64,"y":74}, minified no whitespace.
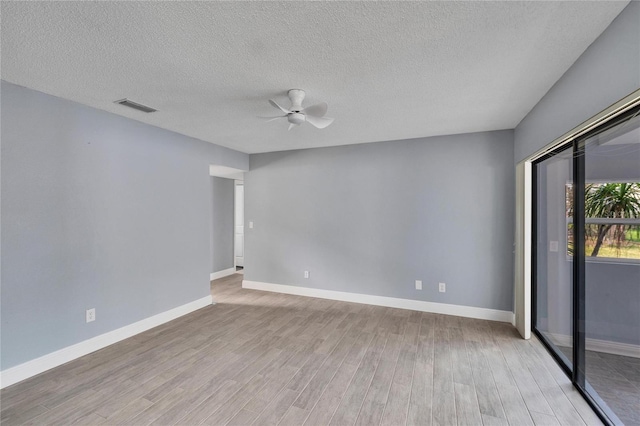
{"x":265,"y":358}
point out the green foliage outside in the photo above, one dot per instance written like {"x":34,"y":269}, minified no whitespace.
{"x":608,"y":200}
{"x":633,"y":235}
{"x":618,"y":201}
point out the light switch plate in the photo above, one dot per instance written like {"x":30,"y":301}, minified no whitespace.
{"x":418,"y":285}
{"x":553,"y":246}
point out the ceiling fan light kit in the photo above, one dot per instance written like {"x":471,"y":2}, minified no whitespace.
{"x":296,"y":114}
{"x":296,"y":118}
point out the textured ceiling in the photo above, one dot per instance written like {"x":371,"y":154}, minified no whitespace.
{"x":388,"y":70}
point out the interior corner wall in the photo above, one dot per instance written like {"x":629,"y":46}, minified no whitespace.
{"x":606,"y":72}
{"x":373,"y":218}
{"x":98,"y":211}
{"x":222,"y":223}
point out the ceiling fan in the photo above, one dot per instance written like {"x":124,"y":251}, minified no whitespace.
{"x":296,"y":115}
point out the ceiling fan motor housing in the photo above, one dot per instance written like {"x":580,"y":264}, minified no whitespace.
{"x":296,"y":118}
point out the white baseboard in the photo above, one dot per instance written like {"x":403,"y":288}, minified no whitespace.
{"x":597,"y":345}
{"x":559,"y":339}
{"x":390,"y":302}
{"x":614,"y":348}
{"x":222,"y":274}
{"x":31,"y":368}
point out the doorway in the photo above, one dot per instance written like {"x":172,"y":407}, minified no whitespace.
{"x":239,"y":226}
{"x":227,"y":212}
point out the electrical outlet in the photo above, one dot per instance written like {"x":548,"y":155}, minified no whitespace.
{"x":418,"y":285}
{"x":306,"y":274}
{"x":553,"y":246}
{"x":91,"y":315}
{"x":250,"y":225}
{"x":442,"y":287}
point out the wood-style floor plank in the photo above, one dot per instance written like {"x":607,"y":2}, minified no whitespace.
{"x":444,"y":409}
{"x":349,"y":408}
{"x":376,"y":398}
{"x":420,"y":403}
{"x":489,"y":402}
{"x":265,"y":358}
{"x":395,"y":411}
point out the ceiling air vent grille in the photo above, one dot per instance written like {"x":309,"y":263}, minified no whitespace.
{"x":129,"y":103}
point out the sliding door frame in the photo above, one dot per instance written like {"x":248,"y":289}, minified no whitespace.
{"x":523,"y":300}
{"x":534,"y":258}
{"x":579,"y":181}
{"x":577,"y":370}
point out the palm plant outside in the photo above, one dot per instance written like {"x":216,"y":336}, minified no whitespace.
{"x":612,"y":200}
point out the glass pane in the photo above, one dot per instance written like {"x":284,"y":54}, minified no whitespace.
{"x":612,"y":269}
{"x":554,"y":263}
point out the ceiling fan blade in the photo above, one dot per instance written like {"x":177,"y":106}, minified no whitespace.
{"x":317,"y":110}
{"x":272,"y":118}
{"x":319,"y":122}
{"x":272,"y":102}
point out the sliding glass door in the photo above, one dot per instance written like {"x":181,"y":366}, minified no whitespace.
{"x":586,"y":260}
{"x":553,"y":241}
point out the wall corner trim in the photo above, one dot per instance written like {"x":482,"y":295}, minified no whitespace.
{"x":390,"y":302}
{"x":46,"y":362}
{"x":222,"y":274}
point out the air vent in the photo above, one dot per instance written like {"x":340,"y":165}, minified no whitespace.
{"x":129,"y":103}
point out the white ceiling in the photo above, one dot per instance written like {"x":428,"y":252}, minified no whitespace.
{"x":389,"y":70}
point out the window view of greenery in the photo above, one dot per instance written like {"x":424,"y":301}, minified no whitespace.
{"x":612,"y":225}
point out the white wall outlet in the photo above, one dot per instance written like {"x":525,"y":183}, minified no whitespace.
{"x":250,"y":225}
{"x":418,"y":285}
{"x":91,"y":315}
{"x":306,"y":274}
{"x":553,"y":246}
{"x":442,"y":287}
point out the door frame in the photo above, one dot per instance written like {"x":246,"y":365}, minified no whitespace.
{"x":524,"y":211}
{"x":523,"y":256}
{"x":238,"y":182}
{"x":573,"y":140}
{"x":235,"y":175}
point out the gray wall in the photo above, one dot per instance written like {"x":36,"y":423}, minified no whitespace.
{"x":374,"y":218}
{"x":222,"y":223}
{"x":98,"y":211}
{"x":612,"y":306}
{"x":606,"y":72}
